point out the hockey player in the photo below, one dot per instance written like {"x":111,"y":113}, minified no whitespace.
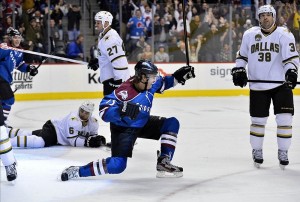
{"x":271,"y":54}
{"x":6,"y":152}
{"x":78,"y":129}
{"x":10,"y":60}
{"x":111,"y":58}
{"x":128,"y":110}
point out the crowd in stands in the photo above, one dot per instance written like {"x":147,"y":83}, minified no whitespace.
{"x":150,"y":29}
{"x":31,"y":18}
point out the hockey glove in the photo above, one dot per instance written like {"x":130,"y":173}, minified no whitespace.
{"x":291,"y":76}
{"x":239,"y":76}
{"x":95,"y":141}
{"x":33,"y":70}
{"x":183,"y":74}
{"x":129,"y":109}
{"x":93,"y":64}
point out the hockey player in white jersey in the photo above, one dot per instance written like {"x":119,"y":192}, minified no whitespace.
{"x":6,"y":151}
{"x":78,"y":129}
{"x":271,"y":55}
{"x":111,"y":54}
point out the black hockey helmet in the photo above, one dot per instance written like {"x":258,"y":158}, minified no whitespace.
{"x":145,"y":67}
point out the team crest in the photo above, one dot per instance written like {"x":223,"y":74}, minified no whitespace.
{"x":124,"y":94}
{"x":258,"y":37}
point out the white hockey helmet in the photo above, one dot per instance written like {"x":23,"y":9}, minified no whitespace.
{"x":104,"y":16}
{"x":88,"y":106}
{"x":267,"y":9}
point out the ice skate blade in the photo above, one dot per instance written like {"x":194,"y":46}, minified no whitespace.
{"x":13,"y":182}
{"x":282,"y":167}
{"x":163,"y":174}
{"x":257,"y":165}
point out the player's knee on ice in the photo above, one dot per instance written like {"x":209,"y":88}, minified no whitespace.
{"x":116,"y":165}
{"x":170,"y":125}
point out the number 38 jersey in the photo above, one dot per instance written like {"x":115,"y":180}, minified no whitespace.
{"x":112,"y":59}
{"x":268,"y":56}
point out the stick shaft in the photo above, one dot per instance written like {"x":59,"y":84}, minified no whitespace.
{"x":47,"y":55}
{"x":267,"y":81}
{"x":185,"y":35}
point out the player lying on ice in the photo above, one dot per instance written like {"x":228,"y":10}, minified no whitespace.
{"x":78,"y":129}
{"x":128,"y":110}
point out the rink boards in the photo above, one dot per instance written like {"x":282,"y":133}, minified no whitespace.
{"x":72,"y":81}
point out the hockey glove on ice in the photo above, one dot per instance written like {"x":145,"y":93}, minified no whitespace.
{"x":183,"y":74}
{"x":129,"y":109}
{"x":33,"y":70}
{"x":291,"y":76}
{"x":95,"y":141}
{"x":93,"y":64}
{"x":239,"y":76}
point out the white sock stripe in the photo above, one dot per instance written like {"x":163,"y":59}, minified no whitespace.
{"x":168,"y":142}
{"x":96,"y":168}
{"x":169,"y":136}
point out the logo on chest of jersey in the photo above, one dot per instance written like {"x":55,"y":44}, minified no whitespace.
{"x":265,"y":46}
{"x":83,"y":133}
{"x":123,"y":94}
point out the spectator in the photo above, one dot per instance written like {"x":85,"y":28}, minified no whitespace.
{"x":161,"y":55}
{"x":94,"y":50}
{"x":225,"y":54}
{"x":137,"y":28}
{"x":161,"y":32}
{"x":179,"y":54}
{"x":194,"y":50}
{"x":146,"y":54}
{"x":74,"y":17}
{"x":35,"y":39}
{"x":127,"y":9}
{"x":57,"y":16}
{"x":75,"y":48}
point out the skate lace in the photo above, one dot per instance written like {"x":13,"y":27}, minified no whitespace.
{"x":11,"y":169}
{"x":168,"y":162}
{"x":282,"y":155}
{"x":257,"y":153}
{"x":72,"y":172}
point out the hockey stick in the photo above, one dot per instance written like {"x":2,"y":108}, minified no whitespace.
{"x":43,"y":54}
{"x":267,"y":81}
{"x":43,"y":61}
{"x":185,"y":34}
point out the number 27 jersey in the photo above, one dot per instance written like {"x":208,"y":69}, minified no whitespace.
{"x":268,"y":56}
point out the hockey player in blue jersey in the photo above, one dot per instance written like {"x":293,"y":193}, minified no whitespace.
{"x":128,"y":110}
{"x":10,"y":60}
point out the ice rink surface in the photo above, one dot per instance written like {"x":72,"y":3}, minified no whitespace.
{"x":213,"y":148}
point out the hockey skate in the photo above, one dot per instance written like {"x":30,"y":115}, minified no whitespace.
{"x":11,"y":172}
{"x":257,"y":156}
{"x":70,"y":173}
{"x":165,"y":169}
{"x":283,"y":158}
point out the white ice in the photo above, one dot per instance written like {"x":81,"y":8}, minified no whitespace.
{"x":213,"y":148}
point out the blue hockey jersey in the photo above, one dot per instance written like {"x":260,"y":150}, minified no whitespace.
{"x":10,"y":60}
{"x":110,"y":104}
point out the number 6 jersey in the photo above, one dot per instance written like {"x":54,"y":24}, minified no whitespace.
{"x":269,"y":56}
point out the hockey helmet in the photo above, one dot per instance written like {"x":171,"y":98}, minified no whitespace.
{"x":87,"y":106}
{"x":11,"y":32}
{"x":267,"y":9}
{"x":104,"y":16}
{"x":145,"y":67}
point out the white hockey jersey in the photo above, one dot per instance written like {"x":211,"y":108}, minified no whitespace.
{"x":70,"y":130}
{"x":112,"y":59}
{"x":268,"y":56}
